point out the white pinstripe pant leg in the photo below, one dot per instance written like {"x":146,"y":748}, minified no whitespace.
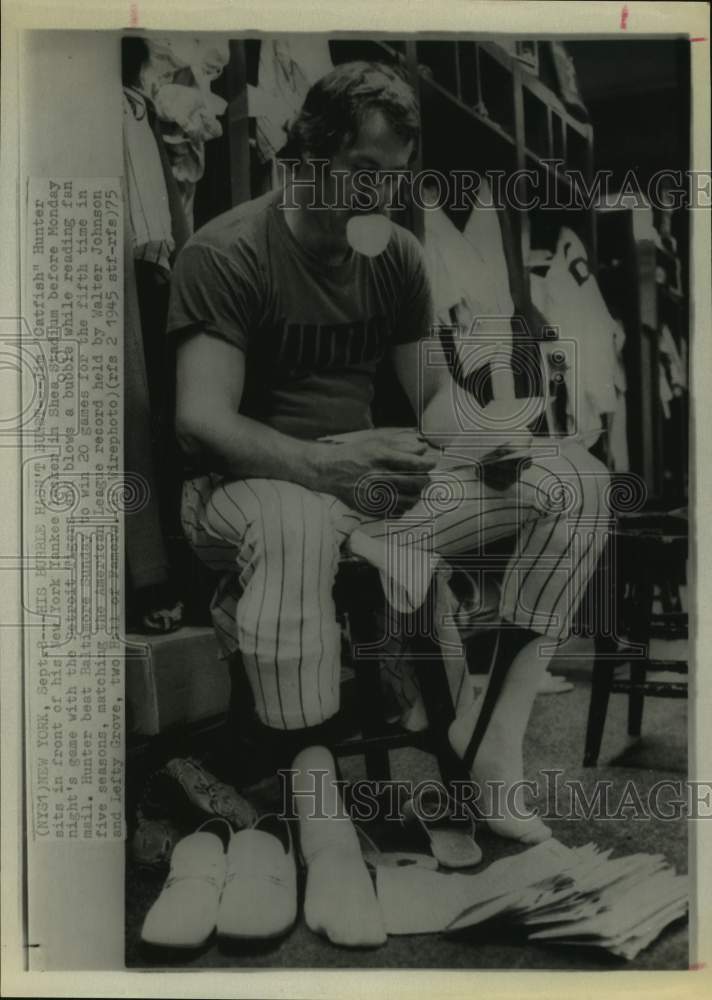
{"x":557,"y":510}
{"x":558,"y":551}
{"x":278,"y":609}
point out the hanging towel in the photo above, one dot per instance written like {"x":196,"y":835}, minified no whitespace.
{"x":490,"y":281}
{"x":451,"y":263}
{"x":470,"y":288}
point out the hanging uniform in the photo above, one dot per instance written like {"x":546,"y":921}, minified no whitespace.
{"x":470,"y":288}
{"x":149,"y":210}
{"x":569,"y":297}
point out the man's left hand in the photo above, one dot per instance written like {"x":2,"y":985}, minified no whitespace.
{"x":500,"y":473}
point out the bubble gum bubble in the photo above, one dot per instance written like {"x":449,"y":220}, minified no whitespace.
{"x":368,"y":234}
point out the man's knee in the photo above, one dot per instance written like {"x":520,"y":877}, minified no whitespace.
{"x":575,"y":483}
{"x":280,"y":519}
{"x":596,"y":481}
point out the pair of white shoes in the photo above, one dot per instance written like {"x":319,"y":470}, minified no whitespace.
{"x":248,"y":891}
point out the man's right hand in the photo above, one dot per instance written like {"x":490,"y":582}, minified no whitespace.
{"x":355,"y":467}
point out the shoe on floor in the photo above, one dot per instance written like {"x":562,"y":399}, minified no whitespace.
{"x":260,"y":895}
{"x":201,"y":791}
{"x":185,"y":913}
{"x":451,"y":834}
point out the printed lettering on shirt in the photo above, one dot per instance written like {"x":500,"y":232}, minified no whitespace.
{"x":318,"y":346}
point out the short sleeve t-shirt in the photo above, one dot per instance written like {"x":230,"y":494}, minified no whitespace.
{"x":312,"y":334}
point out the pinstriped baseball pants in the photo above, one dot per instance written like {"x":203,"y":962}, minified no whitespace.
{"x":277,"y":546}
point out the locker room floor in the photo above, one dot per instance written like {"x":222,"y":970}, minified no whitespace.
{"x":554,"y":739}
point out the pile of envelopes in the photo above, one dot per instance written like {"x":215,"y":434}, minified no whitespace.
{"x":569,"y":896}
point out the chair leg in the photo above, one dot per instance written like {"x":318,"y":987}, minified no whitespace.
{"x":370,"y":697}
{"x":369,"y":694}
{"x":240,"y":716}
{"x":640,"y":633}
{"x":598,"y":706}
{"x":437,"y":699}
{"x":495,"y":683}
{"x":439,"y":712}
{"x":636,"y":699}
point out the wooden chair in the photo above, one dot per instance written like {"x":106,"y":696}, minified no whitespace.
{"x":360,"y":600}
{"x":649,"y":550}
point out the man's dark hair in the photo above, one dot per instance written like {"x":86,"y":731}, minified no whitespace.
{"x":337,"y":103}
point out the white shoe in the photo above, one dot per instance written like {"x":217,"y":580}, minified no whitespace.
{"x":184,"y":915}
{"x":260,"y":895}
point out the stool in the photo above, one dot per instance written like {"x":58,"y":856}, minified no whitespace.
{"x":649,"y":550}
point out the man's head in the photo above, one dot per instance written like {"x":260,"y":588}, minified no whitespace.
{"x":363,"y":119}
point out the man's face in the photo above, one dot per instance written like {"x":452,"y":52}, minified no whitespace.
{"x":358,"y":181}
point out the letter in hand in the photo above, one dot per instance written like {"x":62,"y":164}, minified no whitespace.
{"x":398,"y":458}
{"x":500,"y":472}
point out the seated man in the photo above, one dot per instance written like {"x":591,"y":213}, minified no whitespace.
{"x":280,"y":325}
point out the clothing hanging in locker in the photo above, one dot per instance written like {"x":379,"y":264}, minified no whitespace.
{"x":177,"y":80}
{"x":567,"y":294}
{"x":287,"y":69}
{"x":470,"y":287}
{"x":469,"y":267}
{"x":672,"y":361}
{"x":156,"y":228}
{"x":665,"y":392}
{"x":149,"y":209}
{"x":146,"y":558}
{"x":618,"y":421}
{"x":490,"y":288}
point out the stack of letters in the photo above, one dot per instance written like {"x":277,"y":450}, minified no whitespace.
{"x":568,"y":896}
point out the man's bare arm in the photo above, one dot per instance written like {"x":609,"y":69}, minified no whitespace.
{"x":209,"y":385}
{"x":210,"y":378}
